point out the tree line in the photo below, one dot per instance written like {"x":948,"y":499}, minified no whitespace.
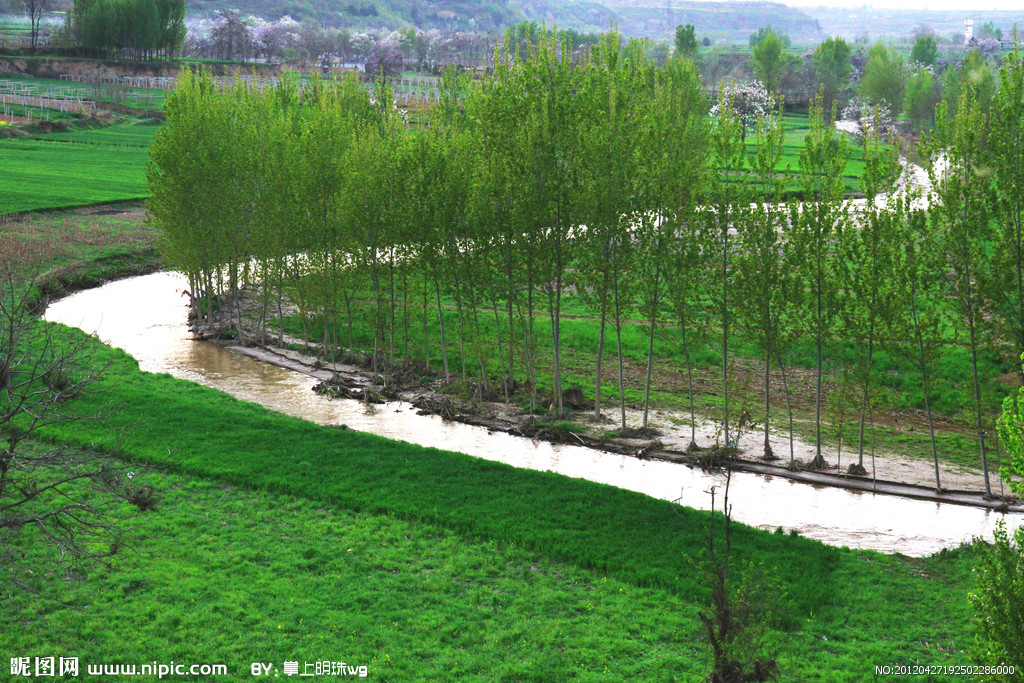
{"x":129,"y":29}
{"x":875,"y":76}
{"x":601,"y":184}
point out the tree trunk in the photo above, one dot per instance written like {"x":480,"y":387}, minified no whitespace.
{"x":426,"y":336}
{"x":977,"y":403}
{"x":440,"y":319}
{"x":405,"y":315}
{"x":391,"y":304}
{"x":818,"y":462}
{"x":618,"y":339}
{"x":725,"y":332}
{"x":556,"y":315}
{"x":597,"y":371}
{"x":462,"y":332}
{"x":768,"y":453}
{"x":650,"y":345}
{"x":478,"y":347}
{"x":501,"y":351}
{"x":689,"y":383}
{"x":864,"y":400}
{"x":789,"y":410}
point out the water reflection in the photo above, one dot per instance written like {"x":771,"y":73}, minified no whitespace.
{"x":145,"y":316}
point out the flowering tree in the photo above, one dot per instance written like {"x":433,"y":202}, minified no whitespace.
{"x":869,"y":120}
{"x":749,"y":101}
{"x":276,"y":39}
{"x":385,"y":61}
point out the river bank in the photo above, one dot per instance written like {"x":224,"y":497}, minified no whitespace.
{"x":667,"y":441}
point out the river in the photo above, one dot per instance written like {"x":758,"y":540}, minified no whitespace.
{"x":146,"y":316}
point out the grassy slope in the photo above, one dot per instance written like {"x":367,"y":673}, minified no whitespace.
{"x":233,"y":576}
{"x":74,"y":169}
{"x":871,"y":608}
{"x":70,"y":250}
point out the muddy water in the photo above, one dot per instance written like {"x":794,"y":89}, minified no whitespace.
{"x":145,"y":316}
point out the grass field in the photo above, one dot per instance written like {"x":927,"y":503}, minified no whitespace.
{"x":797,"y":128}
{"x":125,"y":135}
{"x":74,"y":169}
{"x":14,"y":27}
{"x":75,"y":247}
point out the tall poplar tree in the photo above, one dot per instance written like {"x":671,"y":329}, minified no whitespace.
{"x":868,"y":254}
{"x":818,"y":231}
{"x":725,"y":207}
{"x":1006,"y":159}
{"x":611,"y":175}
{"x":760,"y":261}
{"x":960,"y":215}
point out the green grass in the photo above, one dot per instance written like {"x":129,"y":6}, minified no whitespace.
{"x":797,"y":128}
{"x":14,"y":27}
{"x":124,"y":135}
{"x":74,"y":169}
{"x":313,"y":492}
{"x":233,"y":576}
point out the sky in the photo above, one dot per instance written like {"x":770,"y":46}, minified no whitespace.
{"x":943,"y":5}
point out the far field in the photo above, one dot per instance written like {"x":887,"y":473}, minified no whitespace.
{"x":79,"y":168}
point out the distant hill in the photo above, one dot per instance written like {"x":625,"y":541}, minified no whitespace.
{"x":734,"y":21}
{"x":461,"y":15}
{"x":579,"y":15}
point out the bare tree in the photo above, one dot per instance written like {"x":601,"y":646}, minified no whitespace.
{"x":735,"y":623}
{"x":67,"y":499}
{"x":35,"y":9}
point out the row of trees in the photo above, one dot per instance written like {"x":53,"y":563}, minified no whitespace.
{"x":232,"y":35}
{"x":129,"y":29}
{"x":605,"y":182}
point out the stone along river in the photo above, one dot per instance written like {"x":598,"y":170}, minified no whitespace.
{"x":146,"y":316}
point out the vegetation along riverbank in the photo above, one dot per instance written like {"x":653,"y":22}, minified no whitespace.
{"x":533,"y":257}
